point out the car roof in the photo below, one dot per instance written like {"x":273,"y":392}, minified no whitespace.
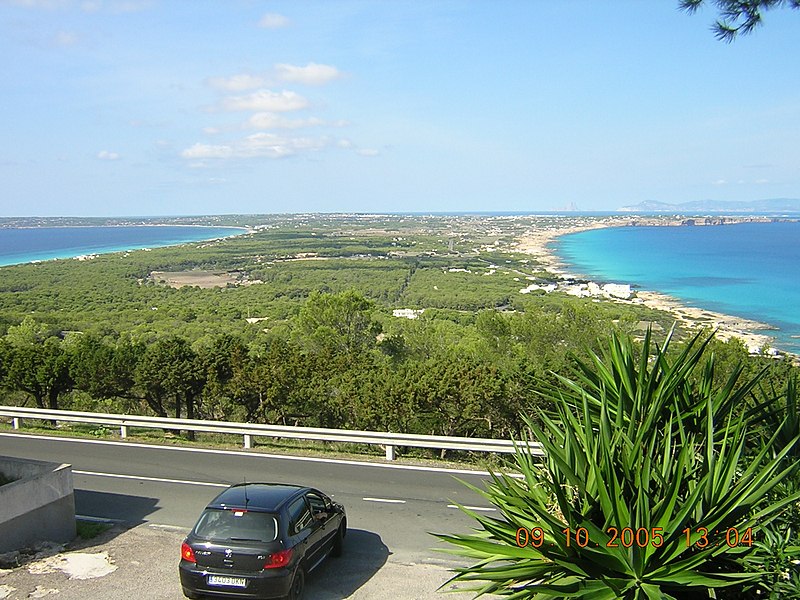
{"x":257,"y":496}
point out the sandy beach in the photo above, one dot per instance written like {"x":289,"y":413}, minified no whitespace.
{"x":536,"y":243}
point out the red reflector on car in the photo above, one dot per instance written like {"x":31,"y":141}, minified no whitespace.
{"x":278,"y":559}
{"x":187,"y":553}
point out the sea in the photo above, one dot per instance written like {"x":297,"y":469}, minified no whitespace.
{"x":750,"y":270}
{"x":22,"y":245}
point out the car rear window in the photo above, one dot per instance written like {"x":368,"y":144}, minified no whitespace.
{"x":231,"y":524}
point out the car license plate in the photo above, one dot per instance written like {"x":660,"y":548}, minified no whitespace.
{"x":229,"y":581}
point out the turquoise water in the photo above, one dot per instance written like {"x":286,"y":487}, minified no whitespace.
{"x":21,"y":245}
{"x":750,"y":270}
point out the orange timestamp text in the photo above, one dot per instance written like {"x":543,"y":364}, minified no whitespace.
{"x":699,"y":537}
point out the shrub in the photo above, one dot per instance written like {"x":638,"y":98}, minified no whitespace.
{"x":651,"y":488}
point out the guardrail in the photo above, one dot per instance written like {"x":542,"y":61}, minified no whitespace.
{"x":390,"y":441}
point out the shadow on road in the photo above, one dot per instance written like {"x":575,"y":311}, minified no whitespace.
{"x":106,"y":505}
{"x":338,"y":578}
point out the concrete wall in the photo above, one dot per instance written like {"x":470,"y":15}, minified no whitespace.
{"x":39,"y":505}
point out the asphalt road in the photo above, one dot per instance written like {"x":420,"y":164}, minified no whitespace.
{"x":391,"y":508}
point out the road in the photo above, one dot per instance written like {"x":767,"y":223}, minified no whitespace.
{"x":391,"y":507}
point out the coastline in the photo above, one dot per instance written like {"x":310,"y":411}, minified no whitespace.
{"x":246,"y":229}
{"x":90,"y":252}
{"x":538,"y":244}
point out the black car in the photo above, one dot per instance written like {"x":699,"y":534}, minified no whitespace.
{"x":259,"y":540}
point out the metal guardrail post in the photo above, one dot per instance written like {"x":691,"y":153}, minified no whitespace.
{"x":389,"y":440}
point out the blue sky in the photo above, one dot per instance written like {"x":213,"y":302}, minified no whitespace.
{"x":167,"y":107}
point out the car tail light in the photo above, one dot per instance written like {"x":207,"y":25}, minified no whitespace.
{"x":187,"y":553}
{"x":278,"y":559}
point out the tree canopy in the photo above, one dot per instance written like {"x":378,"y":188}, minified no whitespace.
{"x":738,"y":16}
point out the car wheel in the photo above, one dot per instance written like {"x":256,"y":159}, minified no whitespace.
{"x":190,"y":594}
{"x":298,"y":585}
{"x":338,"y":542}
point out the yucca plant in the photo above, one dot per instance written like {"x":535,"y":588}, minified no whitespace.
{"x":649,"y":487}
{"x":777,"y":553}
{"x":777,"y":557}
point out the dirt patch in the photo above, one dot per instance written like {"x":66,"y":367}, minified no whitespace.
{"x":201,"y":279}
{"x":75,"y":565}
{"x":118,"y":564}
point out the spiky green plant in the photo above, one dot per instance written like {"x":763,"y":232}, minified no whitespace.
{"x":776,"y":556}
{"x":777,"y":553}
{"x":633,"y":443}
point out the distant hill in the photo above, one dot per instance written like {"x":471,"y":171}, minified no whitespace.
{"x":774,"y":205}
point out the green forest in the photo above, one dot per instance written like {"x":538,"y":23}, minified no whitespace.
{"x":301,"y":330}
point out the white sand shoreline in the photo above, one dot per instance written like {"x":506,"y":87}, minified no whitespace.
{"x":537,"y":243}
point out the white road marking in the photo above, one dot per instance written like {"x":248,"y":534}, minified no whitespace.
{"x":156,"y":479}
{"x":242,"y":453}
{"x":386,"y":500}
{"x":475,"y":508}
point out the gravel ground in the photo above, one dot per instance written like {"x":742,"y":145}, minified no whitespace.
{"x":142,"y":562}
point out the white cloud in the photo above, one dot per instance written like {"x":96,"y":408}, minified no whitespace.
{"x":257,"y":145}
{"x":211,"y":130}
{"x":266,"y":101}
{"x":236,"y":83}
{"x":274,"y":146}
{"x":107,"y":155}
{"x":311,"y":74}
{"x":49,"y":4}
{"x":720,"y":182}
{"x":273,"y":21}
{"x":268,"y":120}
{"x":65,"y":38}
{"x":346,"y":144}
{"x":207,"y":151}
{"x":115,"y":6}
{"x":87,"y":6}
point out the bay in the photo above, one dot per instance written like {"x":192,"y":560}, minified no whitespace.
{"x":22,"y":245}
{"x":749,"y":269}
